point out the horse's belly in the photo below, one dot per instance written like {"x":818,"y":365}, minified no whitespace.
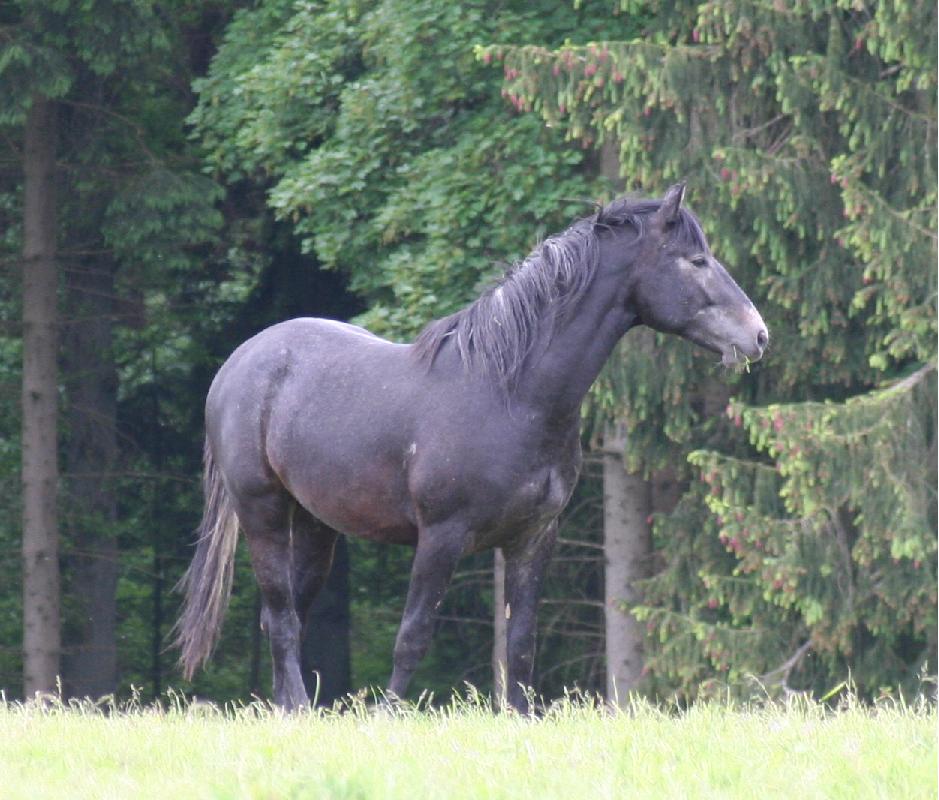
{"x":357,"y":507}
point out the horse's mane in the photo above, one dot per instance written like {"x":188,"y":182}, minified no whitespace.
{"x":496,"y":332}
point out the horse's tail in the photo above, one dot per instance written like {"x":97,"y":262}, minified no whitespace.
{"x":207,"y":582}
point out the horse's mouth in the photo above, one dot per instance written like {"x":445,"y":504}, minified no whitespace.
{"x":732,"y":355}
{"x":722,"y":334}
{"x":736,"y":357}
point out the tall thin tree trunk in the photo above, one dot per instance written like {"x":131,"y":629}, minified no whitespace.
{"x":254,"y":664}
{"x":627,"y":546}
{"x":89,"y":664}
{"x":40,"y":472}
{"x":156,"y":627}
{"x":157,"y":586}
{"x":627,"y":539}
{"x":499,"y":630}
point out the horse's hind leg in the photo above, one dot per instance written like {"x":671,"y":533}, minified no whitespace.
{"x":314,"y":544}
{"x":291,"y":555}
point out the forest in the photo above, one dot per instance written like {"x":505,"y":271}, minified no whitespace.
{"x":177,"y":176}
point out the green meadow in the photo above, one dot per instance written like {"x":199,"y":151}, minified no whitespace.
{"x":575,"y":750}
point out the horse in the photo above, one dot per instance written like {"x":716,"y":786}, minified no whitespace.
{"x":466,"y":439}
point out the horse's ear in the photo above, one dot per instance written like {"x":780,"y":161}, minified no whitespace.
{"x":671,"y":204}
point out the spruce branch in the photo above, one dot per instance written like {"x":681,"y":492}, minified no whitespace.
{"x":786,"y":668}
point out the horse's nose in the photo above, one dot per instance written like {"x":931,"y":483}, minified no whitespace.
{"x":762,"y":339}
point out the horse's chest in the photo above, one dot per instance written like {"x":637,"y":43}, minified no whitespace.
{"x":527,"y":507}
{"x":502,"y":485}
{"x":543,"y":495}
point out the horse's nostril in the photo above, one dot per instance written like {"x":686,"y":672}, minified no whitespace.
{"x":762,"y":338}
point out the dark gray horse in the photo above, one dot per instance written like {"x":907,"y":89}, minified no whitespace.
{"x":465,"y":440}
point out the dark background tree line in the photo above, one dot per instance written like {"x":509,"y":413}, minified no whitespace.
{"x":177,"y":176}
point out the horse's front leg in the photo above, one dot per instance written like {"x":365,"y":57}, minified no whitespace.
{"x":525,"y":569}
{"x":439,"y":548}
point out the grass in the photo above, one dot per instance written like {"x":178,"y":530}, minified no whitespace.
{"x":576,"y":750}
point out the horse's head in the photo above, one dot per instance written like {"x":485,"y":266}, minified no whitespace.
{"x":678,"y":286}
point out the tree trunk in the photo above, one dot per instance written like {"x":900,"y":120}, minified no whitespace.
{"x":254,"y":665}
{"x":156,"y":626}
{"x":89,"y":664}
{"x":41,"y":642}
{"x":499,"y":641}
{"x":325,"y":651}
{"x":627,"y":547}
{"x":627,"y":536}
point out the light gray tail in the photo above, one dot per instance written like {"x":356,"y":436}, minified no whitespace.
{"x":207,"y":582}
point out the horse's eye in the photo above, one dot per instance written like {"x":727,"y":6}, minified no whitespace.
{"x":700,"y":261}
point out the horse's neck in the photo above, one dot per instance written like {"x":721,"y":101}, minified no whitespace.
{"x":573,"y":349}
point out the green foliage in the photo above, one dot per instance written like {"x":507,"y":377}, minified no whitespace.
{"x":808,"y":135}
{"x":837,"y":531}
{"x":130,"y":203}
{"x":387,"y":145}
{"x":380,"y":135}
{"x":52,"y":46}
{"x":135,"y":221}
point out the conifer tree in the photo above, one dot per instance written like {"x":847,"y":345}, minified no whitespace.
{"x":805,"y":544}
{"x":105,"y":211}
